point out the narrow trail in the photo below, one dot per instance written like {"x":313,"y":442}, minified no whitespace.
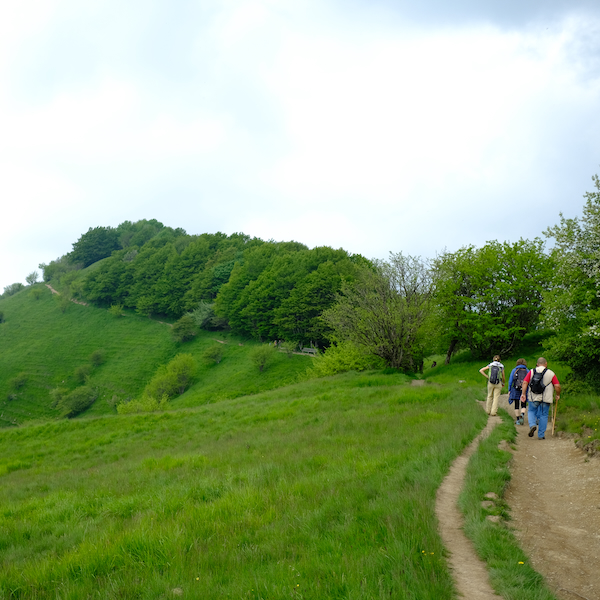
{"x":469,"y":572}
{"x":554,"y":499}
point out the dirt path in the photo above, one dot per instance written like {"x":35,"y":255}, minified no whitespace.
{"x":470,"y":573}
{"x":554,"y":497}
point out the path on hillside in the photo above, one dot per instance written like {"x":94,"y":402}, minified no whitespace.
{"x":469,"y":572}
{"x":554,"y":497}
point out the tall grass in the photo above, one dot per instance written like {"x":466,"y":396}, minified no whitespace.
{"x":324,"y":489}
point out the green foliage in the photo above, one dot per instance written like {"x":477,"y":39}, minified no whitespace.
{"x":487,"y":299}
{"x":94,"y":245}
{"x":145,"y":306}
{"x":262,"y":356}
{"x":184,"y":329}
{"x":82,"y":373}
{"x":205,"y":318}
{"x":57,"y":395}
{"x":386,"y":311}
{"x":173,"y":378}
{"x":213,"y":354}
{"x":63,"y":301}
{"x":77,"y":401}
{"x":36,"y":292}
{"x":57,"y":268}
{"x":19,"y":381}
{"x":143,"y":404}
{"x":343,"y":357}
{"x":1,"y":316}
{"x":12,"y":289}
{"x":116,"y":310}
{"x":97,"y":357}
{"x":32,"y":278}
{"x":572,"y":306}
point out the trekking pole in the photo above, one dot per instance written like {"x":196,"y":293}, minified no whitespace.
{"x":554,"y":411}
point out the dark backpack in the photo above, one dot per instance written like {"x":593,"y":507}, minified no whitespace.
{"x":536,"y":385}
{"x":518,"y":379}
{"x":494,"y":374}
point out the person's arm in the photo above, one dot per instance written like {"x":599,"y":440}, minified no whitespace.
{"x":556,"y":385}
{"x":503,"y":378}
{"x":525,"y":386}
{"x":484,"y":369}
{"x":510,"y":379}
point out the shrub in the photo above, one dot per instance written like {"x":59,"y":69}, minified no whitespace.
{"x":57,"y":395}
{"x":172,"y":379}
{"x":77,"y":401}
{"x":213,"y":354}
{"x":144,"y":404}
{"x":184,"y":329}
{"x":344,"y":357}
{"x":262,"y":356}
{"x":97,"y":357}
{"x":288,"y":347}
{"x":82,"y":373}
{"x":116,"y":310}
{"x":36,"y":292}
{"x":19,"y":381}
{"x":205,"y":318}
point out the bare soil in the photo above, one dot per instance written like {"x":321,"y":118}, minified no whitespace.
{"x":554,"y":497}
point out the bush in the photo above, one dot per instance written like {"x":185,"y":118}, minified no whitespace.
{"x":82,"y":373}
{"x":97,"y":357}
{"x":213,"y":354}
{"x":116,"y":310}
{"x":343,"y":357}
{"x":77,"y":401}
{"x":288,"y":347}
{"x":184,"y":329}
{"x":205,"y":318}
{"x":19,"y":381}
{"x":262,"y":356}
{"x":57,"y":395}
{"x":172,"y":379}
{"x":144,"y":404}
{"x":36,"y":292}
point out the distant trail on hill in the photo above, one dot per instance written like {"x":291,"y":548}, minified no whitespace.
{"x":72,"y":299}
{"x":468,"y":570}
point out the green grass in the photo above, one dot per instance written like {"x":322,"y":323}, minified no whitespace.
{"x":511,"y":573}
{"x":47,"y":346}
{"x":323,"y":489}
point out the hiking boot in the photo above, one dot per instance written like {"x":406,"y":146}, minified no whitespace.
{"x":532,"y":431}
{"x":542,"y":438}
{"x":521,"y":420}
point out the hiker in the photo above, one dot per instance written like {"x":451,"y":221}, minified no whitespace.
{"x":541,"y":383}
{"x":496,"y":382}
{"x":515,"y":387}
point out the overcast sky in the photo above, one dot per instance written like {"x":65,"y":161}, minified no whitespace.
{"x":371,"y":125}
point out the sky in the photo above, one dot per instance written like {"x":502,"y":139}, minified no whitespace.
{"x":373,"y":125}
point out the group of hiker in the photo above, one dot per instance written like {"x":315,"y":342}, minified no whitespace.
{"x":531,"y":391}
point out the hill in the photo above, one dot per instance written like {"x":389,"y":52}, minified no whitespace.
{"x":42,"y":348}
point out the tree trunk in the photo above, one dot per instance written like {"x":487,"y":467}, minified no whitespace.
{"x":451,"y":350}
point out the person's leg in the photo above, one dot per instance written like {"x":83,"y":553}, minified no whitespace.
{"x":532,"y":417}
{"x":496,"y":397}
{"x":543,"y":419}
{"x":488,"y":400}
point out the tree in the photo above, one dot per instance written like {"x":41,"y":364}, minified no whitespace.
{"x":262,"y":356}
{"x":12,"y":289}
{"x":386,"y":310}
{"x":32,"y":278}
{"x":184,"y":329}
{"x":94,"y":245}
{"x":486,"y":299}
{"x":572,"y":306}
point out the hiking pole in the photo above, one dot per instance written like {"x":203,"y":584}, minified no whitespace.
{"x":554,"y":410}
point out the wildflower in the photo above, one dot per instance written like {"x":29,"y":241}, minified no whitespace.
{"x":521,"y":562}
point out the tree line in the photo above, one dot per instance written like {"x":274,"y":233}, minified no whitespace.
{"x":398,"y":310}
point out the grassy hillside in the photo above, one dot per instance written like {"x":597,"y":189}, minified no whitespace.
{"x":323,"y":489}
{"x":41,"y":348}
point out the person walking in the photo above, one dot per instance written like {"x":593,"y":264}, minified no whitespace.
{"x":515,"y":387}
{"x":496,"y":381}
{"x":542,"y":384}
